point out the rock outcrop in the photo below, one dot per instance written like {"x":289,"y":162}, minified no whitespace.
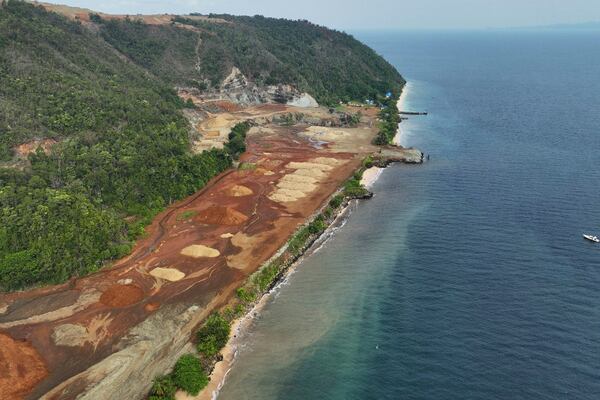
{"x":390,"y":154}
{"x":238,"y":89}
{"x":305,"y":101}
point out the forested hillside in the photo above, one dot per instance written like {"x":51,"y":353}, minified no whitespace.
{"x":330,"y":65}
{"x":106,"y":97}
{"x":122,"y":151}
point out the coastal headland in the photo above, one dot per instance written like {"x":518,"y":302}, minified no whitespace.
{"x":103,"y":336}
{"x":168,"y":180}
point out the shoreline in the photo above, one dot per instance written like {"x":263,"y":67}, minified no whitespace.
{"x":399,"y":105}
{"x":241,"y":325}
{"x":370,"y":176}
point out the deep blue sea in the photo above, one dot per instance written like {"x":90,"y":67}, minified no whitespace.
{"x":466,"y":277}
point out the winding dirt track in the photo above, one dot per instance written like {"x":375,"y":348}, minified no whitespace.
{"x":164,"y":217}
{"x":51,"y":335}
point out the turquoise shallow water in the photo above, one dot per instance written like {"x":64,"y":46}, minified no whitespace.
{"x":466,"y":277}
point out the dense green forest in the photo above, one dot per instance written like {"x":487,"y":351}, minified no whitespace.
{"x":122,"y":151}
{"x":107,"y":97}
{"x":330,"y":65}
{"x":389,"y":119}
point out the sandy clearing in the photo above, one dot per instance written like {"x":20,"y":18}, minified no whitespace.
{"x":239,"y":191}
{"x":70,"y":335}
{"x":199,"y":251}
{"x":298,"y":186}
{"x":313,"y":173}
{"x":298,"y":194}
{"x":281,"y":198}
{"x":327,"y":161}
{"x":352,"y":140}
{"x":168,"y":274}
{"x":303,"y":181}
{"x":298,"y":179}
{"x":246,"y":243}
{"x":325,"y":134}
{"x":309,"y":165}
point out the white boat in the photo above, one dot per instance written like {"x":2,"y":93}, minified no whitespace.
{"x":592,"y":238}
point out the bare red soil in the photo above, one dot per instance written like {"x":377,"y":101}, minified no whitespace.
{"x":16,"y":379}
{"x":218,"y":215}
{"x":99,"y":310}
{"x":121,"y":295}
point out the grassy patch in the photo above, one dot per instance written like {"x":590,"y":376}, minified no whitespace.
{"x":246,"y":295}
{"x":184,"y":216}
{"x":247,"y":166}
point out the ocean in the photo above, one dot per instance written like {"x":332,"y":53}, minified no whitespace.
{"x":466,"y":277}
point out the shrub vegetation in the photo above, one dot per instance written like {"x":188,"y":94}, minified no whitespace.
{"x":213,"y":336}
{"x":189,"y":376}
{"x":163,"y":388}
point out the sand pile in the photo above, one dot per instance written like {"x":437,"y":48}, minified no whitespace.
{"x":303,"y":180}
{"x":199,"y":251}
{"x":218,"y":215}
{"x":168,"y":274}
{"x":239,"y":191}
{"x":121,"y":295}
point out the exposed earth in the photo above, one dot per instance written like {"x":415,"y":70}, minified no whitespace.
{"x":106,"y":335}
